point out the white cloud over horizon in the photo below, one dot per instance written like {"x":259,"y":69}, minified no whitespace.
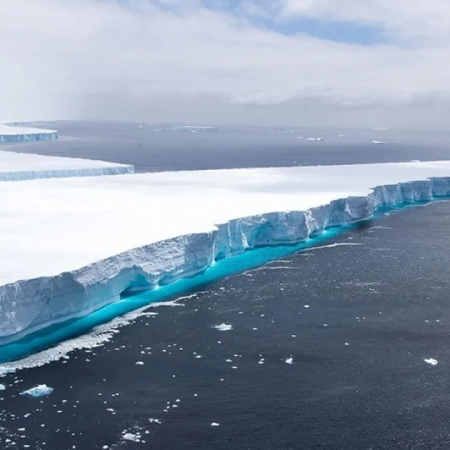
{"x":224,"y":62}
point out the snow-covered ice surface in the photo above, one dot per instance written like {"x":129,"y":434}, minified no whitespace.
{"x":20,"y":134}
{"x":23,"y":166}
{"x":70,"y":246}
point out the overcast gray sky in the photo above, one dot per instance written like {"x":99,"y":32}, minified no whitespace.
{"x":281,"y":62}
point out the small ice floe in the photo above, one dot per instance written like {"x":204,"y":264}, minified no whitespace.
{"x":342,"y":135}
{"x":215,"y":424}
{"x":305,"y":306}
{"x":2,"y":387}
{"x":139,"y":363}
{"x":379,"y":142}
{"x":223,"y":327}
{"x":431,"y":361}
{"x":38,"y":391}
{"x":289,"y":360}
{"x":346,"y":343}
{"x":152,"y":420}
{"x":317,"y":139}
{"x":132,"y":437}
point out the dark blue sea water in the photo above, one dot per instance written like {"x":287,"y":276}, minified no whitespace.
{"x":357,"y":317}
{"x":154,"y":148}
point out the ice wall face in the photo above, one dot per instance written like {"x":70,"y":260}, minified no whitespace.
{"x":28,"y":305}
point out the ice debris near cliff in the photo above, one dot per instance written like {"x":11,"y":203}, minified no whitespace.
{"x":72,"y":245}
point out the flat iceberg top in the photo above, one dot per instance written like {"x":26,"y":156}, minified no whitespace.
{"x":8,"y":130}
{"x":11,"y":162}
{"x":57,"y":225}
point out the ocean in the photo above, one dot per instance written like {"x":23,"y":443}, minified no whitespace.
{"x":338,"y":346}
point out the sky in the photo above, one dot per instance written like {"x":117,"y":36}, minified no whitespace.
{"x":362,"y":63}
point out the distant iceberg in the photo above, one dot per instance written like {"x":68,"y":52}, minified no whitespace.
{"x":20,"y":134}
{"x":28,"y":166}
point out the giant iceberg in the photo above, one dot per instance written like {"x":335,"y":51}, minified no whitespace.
{"x":21,"y":133}
{"x":72,"y":245}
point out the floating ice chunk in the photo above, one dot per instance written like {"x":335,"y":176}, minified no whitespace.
{"x":139,"y":363}
{"x":39,"y":391}
{"x":5,"y":370}
{"x":315,"y":139}
{"x":431,"y":361}
{"x":132,"y":437}
{"x":224,"y":327}
{"x":2,"y":387}
{"x":379,"y":142}
{"x":289,"y":360}
{"x":215,"y":424}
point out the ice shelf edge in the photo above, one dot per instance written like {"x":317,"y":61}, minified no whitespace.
{"x":25,"y":175}
{"x":29,"y":305}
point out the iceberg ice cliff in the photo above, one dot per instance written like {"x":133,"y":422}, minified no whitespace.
{"x":176,"y":225}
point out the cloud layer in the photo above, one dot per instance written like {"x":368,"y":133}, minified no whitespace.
{"x":219,"y":61}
